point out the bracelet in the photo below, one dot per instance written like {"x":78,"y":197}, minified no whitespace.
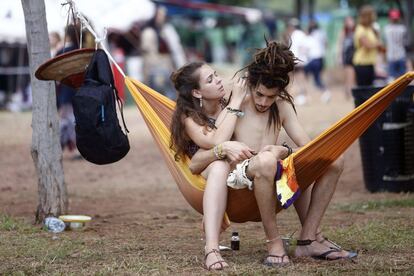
{"x":218,"y":152}
{"x":236,"y":112}
{"x":288,"y":148}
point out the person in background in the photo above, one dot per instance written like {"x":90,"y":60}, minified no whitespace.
{"x":65,"y":95}
{"x":367,"y":46}
{"x":297,"y":39}
{"x":162,"y":52}
{"x":346,"y":53}
{"x":395,"y":38}
{"x":55,"y":42}
{"x":316,"y":54}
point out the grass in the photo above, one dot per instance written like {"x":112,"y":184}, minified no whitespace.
{"x":384,"y":245}
{"x":378,"y":205}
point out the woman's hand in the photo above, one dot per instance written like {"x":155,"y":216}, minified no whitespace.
{"x":237,"y":151}
{"x":239,"y":92}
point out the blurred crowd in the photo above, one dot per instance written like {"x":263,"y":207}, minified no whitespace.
{"x":366,"y":54}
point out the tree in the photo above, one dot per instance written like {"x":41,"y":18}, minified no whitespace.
{"x":46,"y":151}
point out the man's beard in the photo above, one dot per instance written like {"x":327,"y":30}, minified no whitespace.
{"x":263,"y":110}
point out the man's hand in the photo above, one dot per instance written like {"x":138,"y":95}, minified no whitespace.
{"x":237,"y":151}
{"x":279,"y":151}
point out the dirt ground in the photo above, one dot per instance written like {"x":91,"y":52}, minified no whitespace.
{"x":135,"y":202}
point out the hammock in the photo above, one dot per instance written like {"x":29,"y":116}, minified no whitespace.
{"x":310,"y":162}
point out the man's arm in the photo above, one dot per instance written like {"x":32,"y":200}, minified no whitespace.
{"x":292,"y":125}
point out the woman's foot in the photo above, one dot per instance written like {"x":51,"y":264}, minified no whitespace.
{"x":213,"y":260}
{"x":277,"y":256}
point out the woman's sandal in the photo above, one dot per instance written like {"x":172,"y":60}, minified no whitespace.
{"x":266,"y":261}
{"x":323,"y":256}
{"x":215,"y":251}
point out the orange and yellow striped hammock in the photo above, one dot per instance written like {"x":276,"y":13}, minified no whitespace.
{"x":310,"y":162}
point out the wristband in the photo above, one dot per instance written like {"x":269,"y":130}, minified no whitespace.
{"x":236,"y":112}
{"x":288,"y":148}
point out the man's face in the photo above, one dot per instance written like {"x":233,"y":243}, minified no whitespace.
{"x":264,"y":97}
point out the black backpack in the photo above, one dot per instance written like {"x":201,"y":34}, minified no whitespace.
{"x":99,"y":137}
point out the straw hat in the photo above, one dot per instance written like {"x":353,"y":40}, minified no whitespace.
{"x":68,"y":68}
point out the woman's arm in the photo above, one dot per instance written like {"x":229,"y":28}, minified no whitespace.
{"x":233,"y":151}
{"x":225,"y":122}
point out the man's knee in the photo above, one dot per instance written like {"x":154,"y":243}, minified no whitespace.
{"x":263,"y":165}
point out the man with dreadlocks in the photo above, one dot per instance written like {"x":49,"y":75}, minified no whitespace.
{"x":267,"y":108}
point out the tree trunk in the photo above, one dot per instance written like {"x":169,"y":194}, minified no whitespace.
{"x":46,"y":150}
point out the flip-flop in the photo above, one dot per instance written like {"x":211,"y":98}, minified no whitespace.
{"x":351,"y":254}
{"x":266,"y":261}
{"x":324,"y":256}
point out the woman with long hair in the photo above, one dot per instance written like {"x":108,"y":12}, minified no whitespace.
{"x":367,"y":46}
{"x":201,"y":121}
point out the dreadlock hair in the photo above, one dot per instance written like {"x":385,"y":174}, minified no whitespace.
{"x":185,"y":80}
{"x":270,"y":67}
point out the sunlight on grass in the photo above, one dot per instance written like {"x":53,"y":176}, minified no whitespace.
{"x":8,"y":223}
{"x":378,"y":235}
{"x":377,"y":205}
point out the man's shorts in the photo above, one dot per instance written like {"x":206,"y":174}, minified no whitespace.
{"x":238,"y":179}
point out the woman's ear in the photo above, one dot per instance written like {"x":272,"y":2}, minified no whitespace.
{"x":196,"y":93}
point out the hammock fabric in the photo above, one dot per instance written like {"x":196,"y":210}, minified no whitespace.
{"x":309,"y":163}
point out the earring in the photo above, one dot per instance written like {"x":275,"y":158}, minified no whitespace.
{"x":201,"y":102}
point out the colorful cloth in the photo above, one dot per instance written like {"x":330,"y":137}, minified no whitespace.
{"x":287,"y":188}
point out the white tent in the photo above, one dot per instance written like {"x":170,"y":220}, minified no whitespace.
{"x":117,"y":14}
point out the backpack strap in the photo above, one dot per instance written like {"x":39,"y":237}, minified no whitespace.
{"x":121,"y":108}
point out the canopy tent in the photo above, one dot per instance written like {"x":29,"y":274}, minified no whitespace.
{"x":116,"y":14}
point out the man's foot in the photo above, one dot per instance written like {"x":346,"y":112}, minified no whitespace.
{"x":276,"y":260}
{"x":277,"y":256}
{"x":316,"y":250}
{"x":213,"y":260}
{"x":327,"y":242}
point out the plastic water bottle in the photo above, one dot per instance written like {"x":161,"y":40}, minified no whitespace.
{"x":54,"y":225}
{"x":235,"y":241}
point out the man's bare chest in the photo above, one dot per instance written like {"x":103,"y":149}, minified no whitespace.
{"x":254,"y":131}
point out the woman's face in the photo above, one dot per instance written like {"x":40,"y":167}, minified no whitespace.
{"x":211,"y":86}
{"x":349,"y":22}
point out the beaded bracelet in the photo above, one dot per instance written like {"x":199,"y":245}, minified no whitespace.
{"x":234,"y":111}
{"x":218,"y":152}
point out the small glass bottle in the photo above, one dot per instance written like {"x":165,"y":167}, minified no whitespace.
{"x":235,"y":241}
